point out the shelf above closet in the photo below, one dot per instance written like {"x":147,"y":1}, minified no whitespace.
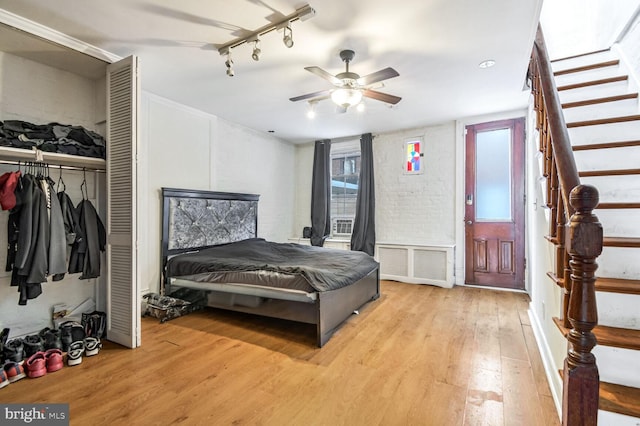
{"x":51,"y":158}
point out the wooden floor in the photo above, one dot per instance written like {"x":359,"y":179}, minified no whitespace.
{"x":420,"y":355}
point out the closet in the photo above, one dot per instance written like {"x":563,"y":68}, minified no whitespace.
{"x":46,"y":77}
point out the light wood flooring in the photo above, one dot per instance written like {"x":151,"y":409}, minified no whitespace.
{"x":420,"y":355}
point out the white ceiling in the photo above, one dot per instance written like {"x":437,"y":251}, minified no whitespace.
{"x":435,"y":45}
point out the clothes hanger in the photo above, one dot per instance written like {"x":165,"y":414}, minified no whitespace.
{"x":60,"y":181}
{"x":83,"y":185}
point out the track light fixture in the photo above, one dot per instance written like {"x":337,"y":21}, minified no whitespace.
{"x":229,"y":64}
{"x":256,"y":51}
{"x":301,"y":14}
{"x":287,"y":37}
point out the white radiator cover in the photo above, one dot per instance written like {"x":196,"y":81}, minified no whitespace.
{"x":416,"y":264}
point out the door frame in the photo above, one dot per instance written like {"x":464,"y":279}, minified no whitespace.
{"x":460,"y":262}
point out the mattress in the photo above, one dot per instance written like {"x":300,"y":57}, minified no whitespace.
{"x":263,"y":263}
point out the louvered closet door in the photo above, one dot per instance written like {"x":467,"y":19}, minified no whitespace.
{"x":123,"y":306}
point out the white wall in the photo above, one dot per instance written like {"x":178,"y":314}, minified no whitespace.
{"x":628,"y":47}
{"x":574,"y":27}
{"x":48,"y":95}
{"x":185,"y":148}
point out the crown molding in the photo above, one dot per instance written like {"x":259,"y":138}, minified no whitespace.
{"x":53,"y":36}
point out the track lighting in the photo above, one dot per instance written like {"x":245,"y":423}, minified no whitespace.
{"x":256,"y":51}
{"x":287,"y":38}
{"x":301,"y":14}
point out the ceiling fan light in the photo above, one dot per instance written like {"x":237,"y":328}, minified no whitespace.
{"x":346,"y":97}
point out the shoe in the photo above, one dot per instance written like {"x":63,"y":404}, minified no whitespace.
{"x":74,"y":354}
{"x":4,"y":335}
{"x":14,"y":350}
{"x":54,"y":361}
{"x":52,"y":338}
{"x":36,"y":365}
{"x":4,"y":381}
{"x":71,"y":331}
{"x":32,"y":345}
{"x":92,"y":346}
{"x":14,"y":371}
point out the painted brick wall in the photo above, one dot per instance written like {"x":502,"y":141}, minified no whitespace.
{"x":410,"y":209}
{"x":416,"y":209}
{"x":46,"y":94}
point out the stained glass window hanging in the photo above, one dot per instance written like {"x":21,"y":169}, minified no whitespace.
{"x":413,"y":156}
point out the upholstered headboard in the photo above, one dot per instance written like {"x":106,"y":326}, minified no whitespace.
{"x":194,"y":219}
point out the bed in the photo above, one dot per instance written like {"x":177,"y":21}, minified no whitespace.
{"x":210,"y":244}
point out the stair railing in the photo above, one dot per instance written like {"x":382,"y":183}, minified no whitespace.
{"x":577,"y":235}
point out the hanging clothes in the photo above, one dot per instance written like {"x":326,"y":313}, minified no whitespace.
{"x":85,"y":253}
{"x":57,"y":237}
{"x":37,"y":237}
{"x":70,"y":222}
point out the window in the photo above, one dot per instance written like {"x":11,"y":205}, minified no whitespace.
{"x":345,"y":174}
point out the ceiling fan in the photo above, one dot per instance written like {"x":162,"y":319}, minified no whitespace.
{"x":350,"y":87}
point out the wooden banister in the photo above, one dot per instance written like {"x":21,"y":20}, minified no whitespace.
{"x":577,"y":235}
{"x":563,"y":153}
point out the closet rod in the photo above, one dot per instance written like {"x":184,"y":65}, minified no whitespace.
{"x":53,"y":166}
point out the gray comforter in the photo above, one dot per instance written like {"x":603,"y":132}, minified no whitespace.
{"x":324,"y":269}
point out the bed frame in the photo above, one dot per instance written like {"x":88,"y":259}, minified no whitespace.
{"x":194,"y":220}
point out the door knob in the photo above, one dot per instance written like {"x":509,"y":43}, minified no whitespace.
{"x":469,"y":222}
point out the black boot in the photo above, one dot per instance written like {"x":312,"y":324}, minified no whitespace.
{"x":52,"y":338}
{"x":13,"y":350}
{"x":33,"y":344}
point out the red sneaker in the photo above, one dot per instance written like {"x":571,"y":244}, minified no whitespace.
{"x":54,"y":360}
{"x":36,"y":365}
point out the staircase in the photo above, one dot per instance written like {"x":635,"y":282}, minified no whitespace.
{"x":600,"y":104}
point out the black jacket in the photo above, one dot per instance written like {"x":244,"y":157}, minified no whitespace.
{"x":85,"y":253}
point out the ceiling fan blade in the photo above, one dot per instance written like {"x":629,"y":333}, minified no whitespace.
{"x":378,"y":76}
{"x":324,"y":74}
{"x":322,"y":93}
{"x":379,"y":96}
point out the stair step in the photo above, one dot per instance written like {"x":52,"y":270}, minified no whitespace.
{"x":618,"y":399}
{"x":581,"y":55}
{"x":621,"y":242}
{"x":616,"y":337}
{"x":606,"y":145}
{"x":618,"y":285}
{"x":600,"y":100}
{"x":618,"y":206}
{"x":610,"y":120}
{"x":615,"y":172}
{"x":608,"y":285}
{"x":593,"y":83}
{"x":611,"y":63}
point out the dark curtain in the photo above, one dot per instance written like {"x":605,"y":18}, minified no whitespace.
{"x":363,"y":237}
{"x":321,"y":193}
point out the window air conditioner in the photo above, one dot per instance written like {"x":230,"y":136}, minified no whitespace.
{"x":342,"y":227}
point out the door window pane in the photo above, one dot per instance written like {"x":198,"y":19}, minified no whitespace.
{"x":493,"y":175}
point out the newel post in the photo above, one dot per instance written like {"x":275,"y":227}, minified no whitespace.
{"x":584,"y":244}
